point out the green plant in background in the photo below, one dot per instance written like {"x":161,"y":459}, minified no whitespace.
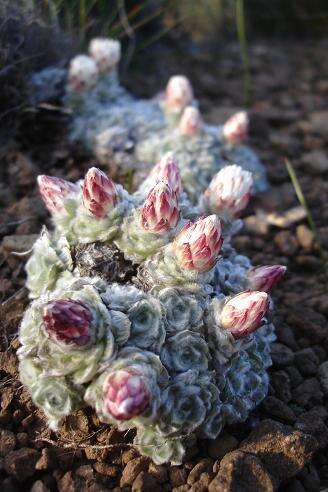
{"x":301,"y":198}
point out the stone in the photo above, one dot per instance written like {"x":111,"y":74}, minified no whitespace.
{"x":39,"y":486}
{"x":305,"y":237}
{"x":178,"y":476}
{"x":279,"y":409}
{"x":309,"y":323}
{"x":204,"y":465}
{"x":7,"y":442}
{"x":281,"y":355}
{"x":311,"y":423}
{"x":318,"y":122}
{"x":69,"y":483}
{"x":21,"y":463}
{"x":323,"y":377}
{"x":315,"y":161}
{"x":282,"y":450}
{"x":286,"y":219}
{"x":132,"y":470}
{"x":144,"y":482}
{"x":242,"y":472}
{"x":158,"y":471}
{"x":280,"y":381}
{"x":308,"y":392}
{"x":307,"y":361}
{"x":46,"y":461}
{"x":106,"y":469}
{"x":286,"y":243}
{"x":222,"y":445}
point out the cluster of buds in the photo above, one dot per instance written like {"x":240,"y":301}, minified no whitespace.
{"x":82,"y":74}
{"x":229,"y":192}
{"x":235,"y":129}
{"x":106,"y":53}
{"x":150,"y":345}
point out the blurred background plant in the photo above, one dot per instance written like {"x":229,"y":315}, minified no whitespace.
{"x":35,"y":34}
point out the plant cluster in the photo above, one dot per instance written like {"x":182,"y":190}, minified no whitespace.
{"x":125,"y":133}
{"x":142,"y":309}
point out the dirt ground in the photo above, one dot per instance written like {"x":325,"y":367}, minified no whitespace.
{"x":283,"y":445}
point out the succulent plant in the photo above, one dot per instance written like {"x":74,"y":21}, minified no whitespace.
{"x":174,"y":339}
{"x":170,"y":122}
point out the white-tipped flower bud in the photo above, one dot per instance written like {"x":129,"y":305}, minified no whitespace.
{"x":160,"y":212}
{"x":191,"y":121}
{"x":235,"y":129}
{"x":229,"y":192}
{"x":54,"y":191}
{"x":265,"y":277}
{"x":167,"y":169}
{"x":198,"y":244}
{"x":68,"y":321}
{"x":125,"y":394}
{"x":106,"y":53}
{"x":99,"y":193}
{"x":82,"y":74}
{"x":244,"y":313}
{"x":179,"y":93}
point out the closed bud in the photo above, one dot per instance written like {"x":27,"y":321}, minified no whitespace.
{"x":160,"y":212}
{"x":179,"y":93}
{"x":68,"y":321}
{"x":167,"y":169}
{"x":244,"y":313}
{"x":99,"y":193}
{"x":54,"y":191}
{"x":125,"y":394}
{"x":265,"y":277}
{"x":106,"y":53}
{"x":235,"y":129}
{"x":198,"y":244}
{"x":82,"y":73}
{"x":191,"y":121}
{"x":229,"y":192}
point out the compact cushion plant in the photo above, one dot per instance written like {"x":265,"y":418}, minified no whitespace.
{"x":126,"y":133}
{"x":148,"y":316}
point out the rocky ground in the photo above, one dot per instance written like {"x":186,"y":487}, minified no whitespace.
{"x":284,"y":443}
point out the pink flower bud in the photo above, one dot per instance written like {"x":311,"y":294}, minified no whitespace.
{"x":99,"y":193}
{"x":179,"y":92}
{"x":167,"y":169}
{"x":265,"y":277}
{"x":243,"y":313}
{"x":125,"y":394}
{"x":198,"y":244}
{"x":106,"y":53}
{"x":160,"y":211}
{"x":229,"y":192}
{"x":191,"y":121}
{"x":68,"y":321}
{"x":235,"y":129}
{"x":54,"y":191}
{"x":82,"y":73}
